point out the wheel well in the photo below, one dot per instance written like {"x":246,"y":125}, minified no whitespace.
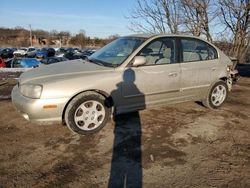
{"x":109,"y":100}
{"x":223,"y":79}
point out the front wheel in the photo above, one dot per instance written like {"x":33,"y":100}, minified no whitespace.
{"x":87,"y":113}
{"x":217,"y":95}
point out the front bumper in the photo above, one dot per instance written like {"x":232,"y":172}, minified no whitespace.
{"x":33,"y":109}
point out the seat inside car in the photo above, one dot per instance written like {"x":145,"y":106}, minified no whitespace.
{"x":147,"y":53}
{"x":166,"y":57}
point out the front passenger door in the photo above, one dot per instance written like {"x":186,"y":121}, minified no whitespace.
{"x":157,"y":81}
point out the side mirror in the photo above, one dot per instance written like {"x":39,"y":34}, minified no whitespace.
{"x":138,"y":61}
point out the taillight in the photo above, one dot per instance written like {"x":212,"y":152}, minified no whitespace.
{"x":230,"y":68}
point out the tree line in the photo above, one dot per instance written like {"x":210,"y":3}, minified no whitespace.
{"x":20,"y":37}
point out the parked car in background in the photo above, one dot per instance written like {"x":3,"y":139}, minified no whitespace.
{"x":22,"y":63}
{"x":89,"y":51}
{"x":31,"y":52}
{"x":2,"y":63}
{"x":76,"y":50}
{"x":70,"y":55}
{"x":7,"y":53}
{"x":1,"y":49}
{"x":73,"y":54}
{"x":60,"y":52}
{"x":51,"y":60}
{"x":20,"y":52}
{"x":129,"y":74}
{"x":45,"y":52}
{"x":79,"y":56}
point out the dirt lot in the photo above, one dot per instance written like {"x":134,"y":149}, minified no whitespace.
{"x":184,"y":145}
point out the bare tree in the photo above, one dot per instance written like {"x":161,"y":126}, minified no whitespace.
{"x":156,"y":16}
{"x":79,"y":39}
{"x":236,"y":17}
{"x":161,"y":16}
{"x":198,"y":15}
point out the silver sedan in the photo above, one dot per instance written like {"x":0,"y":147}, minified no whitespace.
{"x":129,"y":74}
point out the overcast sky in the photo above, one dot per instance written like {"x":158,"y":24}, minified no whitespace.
{"x":100,"y":18}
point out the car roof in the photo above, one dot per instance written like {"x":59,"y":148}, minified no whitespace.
{"x":148,"y":35}
{"x":154,"y":36}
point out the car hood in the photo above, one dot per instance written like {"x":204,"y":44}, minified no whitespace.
{"x":63,"y":69}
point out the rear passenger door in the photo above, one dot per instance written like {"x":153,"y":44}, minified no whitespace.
{"x":198,"y":61}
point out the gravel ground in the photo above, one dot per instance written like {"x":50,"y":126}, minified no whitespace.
{"x":183,"y":145}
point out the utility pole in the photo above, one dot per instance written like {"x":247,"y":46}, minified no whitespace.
{"x":30,"y":35}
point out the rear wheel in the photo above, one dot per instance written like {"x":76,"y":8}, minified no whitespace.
{"x":217,"y":95}
{"x":87,"y":113}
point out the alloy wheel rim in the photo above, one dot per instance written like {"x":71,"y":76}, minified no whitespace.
{"x":218,"y":95}
{"x":89,"y":115}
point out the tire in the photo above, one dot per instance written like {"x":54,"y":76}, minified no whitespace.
{"x":217,"y":95}
{"x":87,"y":113}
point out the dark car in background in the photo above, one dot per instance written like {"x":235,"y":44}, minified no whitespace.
{"x":45,"y":52}
{"x":51,"y":60}
{"x":6,"y":53}
{"x":73,"y":53}
{"x":60,"y":52}
{"x":69,"y":54}
{"x":90,"y":51}
{"x":22,"y":63}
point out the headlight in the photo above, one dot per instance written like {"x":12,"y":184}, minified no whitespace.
{"x":31,"y":91}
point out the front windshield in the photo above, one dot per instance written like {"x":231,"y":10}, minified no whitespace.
{"x":116,"y":52}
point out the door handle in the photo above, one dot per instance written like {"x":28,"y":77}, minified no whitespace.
{"x":172,"y":74}
{"x":213,"y":69}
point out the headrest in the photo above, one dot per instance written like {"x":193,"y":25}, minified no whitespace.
{"x":167,"y":53}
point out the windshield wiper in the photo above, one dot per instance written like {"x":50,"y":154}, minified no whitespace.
{"x":101,"y":63}
{"x":95,"y":62}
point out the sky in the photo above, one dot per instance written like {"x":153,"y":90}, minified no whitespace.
{"x":98,"y":18}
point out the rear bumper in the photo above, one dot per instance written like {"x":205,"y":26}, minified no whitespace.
{"x":33,"y":109}
{"x":235,"y":76}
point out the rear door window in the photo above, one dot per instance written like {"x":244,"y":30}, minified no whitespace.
{"x":196,"y":50}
